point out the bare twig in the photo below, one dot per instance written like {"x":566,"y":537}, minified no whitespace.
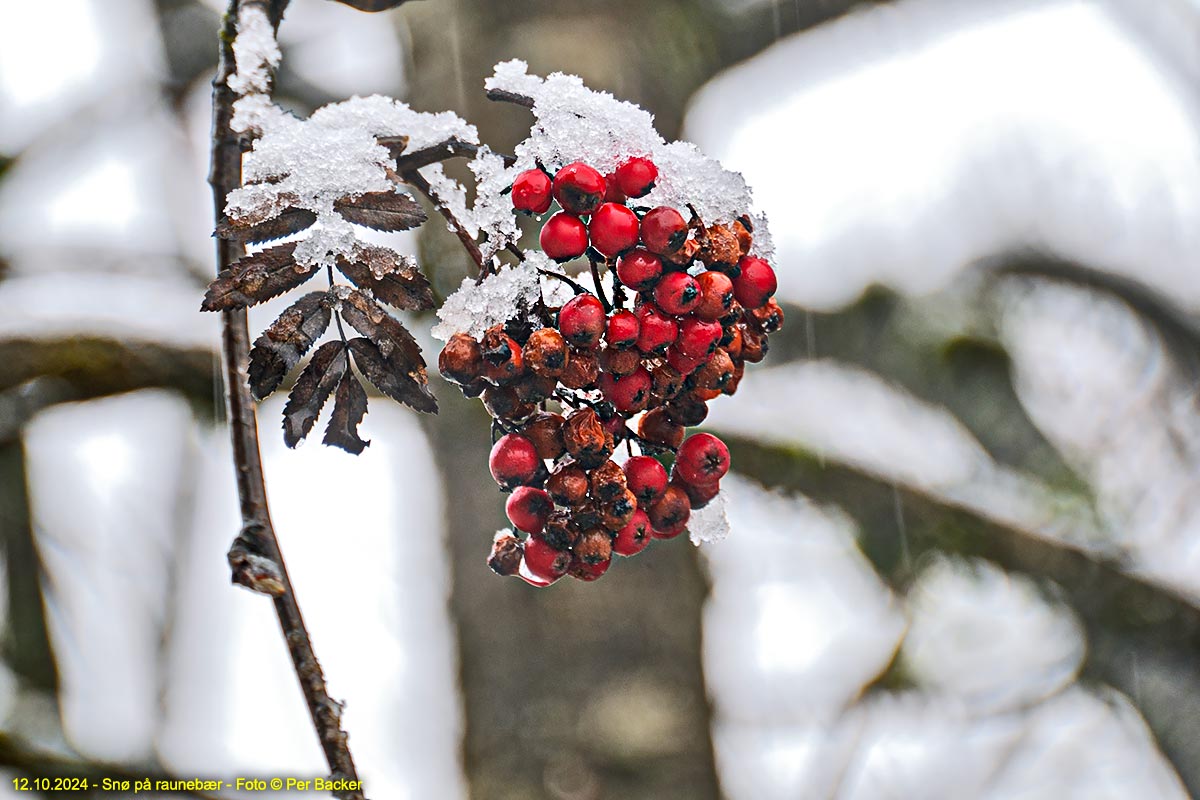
{"x":406,"y":162}
{"x":255,"y":558}
{"x":505,"y":96}
{"x":417,"y":180}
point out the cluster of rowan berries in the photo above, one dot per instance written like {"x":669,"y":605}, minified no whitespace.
{"x":702,"y":307}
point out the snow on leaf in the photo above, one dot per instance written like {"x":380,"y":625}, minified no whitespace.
{"x":287,"y":339}
{"x":312,"y":389}
{"x":382,"y":211}
{"x":476,"y":307}
{"x":710,"y":524}
{"x":255,"y":278}
{"x":392,"y":377}
{"x":393,"y":278}
{"x":349,"y":407}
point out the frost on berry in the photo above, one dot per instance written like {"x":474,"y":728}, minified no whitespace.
{"x":476,"y":307}
{"x":709,"y":524}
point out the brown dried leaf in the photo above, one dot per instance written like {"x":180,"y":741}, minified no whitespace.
{"x":255,"y":278}
{"x":286,"y":340}
{"x":312,"y":389}
{"x":392,"y":379}
{"x":372,"y":5}
{"x":391,"y":277}
{"x":349,"y":406}
{"x":401,"y":355}
{"x":382,"y":211}
{"x":287,"y":223}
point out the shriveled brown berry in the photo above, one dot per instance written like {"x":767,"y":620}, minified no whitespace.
{"x":720,"y":246}
{"x":559,"y":533}
{"x":581,"y":371}
{"x":568,"y":483}
{"x":545,"y":431}
{"x":687,"y":409}
{"x":585,"y":516}
{"x":620,"y":362}
{"x":715,"y":374}
{"x":607,"y":481}
{"x":670,"y":514}
{"x":546,"y":352}
{"x":769,"y":317}
{"x":754,"y":345}
{"x":743,"y":233}
{"x":503,"y":361}
{"x":739,"y":369}
{"x":474,"y":388}
{"x":618,"y":511}
{"x":731,"y":341}
{"x":685,"y":255}
{"x":586,"y":439}
{"x":594,"y":546}
{"x":505,"y":558}
{"x":461,"y":360}
{"x":656,"y":426}
{"x":502,"y":402}
{"x":665,"y":381}
{"x":534,"y":388}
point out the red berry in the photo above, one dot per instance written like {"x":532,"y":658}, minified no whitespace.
{"x":702,"y":459}
{"x":514,"y":460}
{"x":639,"y":269}
{"x":677,"y":293}
{"x":756,"y":282}
{"x":681,"y":362}
{"x":636,"y":176}
{"x":663,"y":230}
{"x":528,"y":508}
{"x":584,"y":571}
{"x":700,"y":494}
{"x":543,"y":561}
{"x":698,"y":337}
{"x":578,"y":188}
{"x":531,"y":192}
{"x":656,"y":330}
{"x":613,"y":229}
{"x":623,"y":329}
{"x":582,"y":321}
{"x":563,"y":237}
{"x":633,"y":538}
{"x":612,"y":192}
{"x":716,"y":295}
{"x":629,"y":394}
{"x":646,"y":478}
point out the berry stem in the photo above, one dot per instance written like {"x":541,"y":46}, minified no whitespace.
{"x":599,"y":288}
{"x":255,"y":559}
{"x":551,"y":274}
{"x":417,"y":180}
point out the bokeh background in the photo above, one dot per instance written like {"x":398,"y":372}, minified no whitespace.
{"x":965,"y":559}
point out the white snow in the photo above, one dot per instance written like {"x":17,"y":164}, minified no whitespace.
{"x":710,"y":524}
{"x":255,"y":52}
{"x":476,"y":307}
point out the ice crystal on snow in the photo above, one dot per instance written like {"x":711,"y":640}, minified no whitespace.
{"x":476,"y":307}
{"x":710,"y":524}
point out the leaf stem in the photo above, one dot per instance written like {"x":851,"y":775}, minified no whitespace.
{"x":255,"y":558}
